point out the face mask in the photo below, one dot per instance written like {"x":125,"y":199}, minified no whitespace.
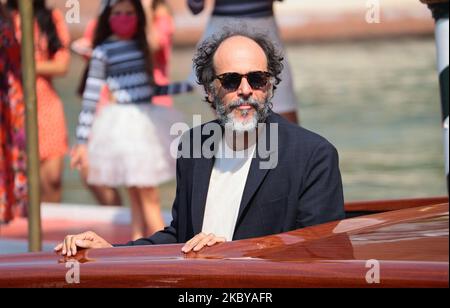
{"x":124,"y":26}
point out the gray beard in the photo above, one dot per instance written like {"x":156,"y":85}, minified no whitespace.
{"x":225,"y":113}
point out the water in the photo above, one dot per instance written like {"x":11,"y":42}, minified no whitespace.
{"x":377,"y":101}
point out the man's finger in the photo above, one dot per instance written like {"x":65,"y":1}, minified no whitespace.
{"x":69,"y":245}
{"x":216,"y":240}
{"x":73,"y":246}
{"x":203,"y":242}
{"x":196,"y":238}
{"x":188,"y":247}
{"x":66,"y":248}
{"x":85,"y":240}
{"x":193,"y":242}
{"x":66,"y":245}
{"x":90,"y":236}
{"x":212,"y":242}
{"x":58,"y":247}
{"x":84,"y":243}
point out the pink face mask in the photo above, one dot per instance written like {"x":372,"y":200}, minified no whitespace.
{"x":124,"y":26}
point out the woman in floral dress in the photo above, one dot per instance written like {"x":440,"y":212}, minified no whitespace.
{"x":52,"y":58}
{"x":13,"y":180}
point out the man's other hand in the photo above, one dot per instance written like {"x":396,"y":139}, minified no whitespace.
{"x":84,"y":240}
{"x":201,"y":240}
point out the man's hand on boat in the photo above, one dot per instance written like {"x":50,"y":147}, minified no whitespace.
{"x":71,"y":243}
{"x":201,"y":241}
{"x":84,"y":240}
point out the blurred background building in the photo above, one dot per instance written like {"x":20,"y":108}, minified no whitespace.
{"x":301,"y":20}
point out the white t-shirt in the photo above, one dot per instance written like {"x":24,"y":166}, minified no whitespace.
{"x":226,"y":187}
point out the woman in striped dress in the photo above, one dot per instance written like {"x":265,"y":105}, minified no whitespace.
{"x":129,"y":143}
{"x":160,"y":30}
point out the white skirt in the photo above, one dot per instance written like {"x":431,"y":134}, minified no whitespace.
{"x":130,"y":146}
{"x":285,"y":99}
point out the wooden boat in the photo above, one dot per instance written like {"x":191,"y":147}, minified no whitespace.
{"x":406,"y":240}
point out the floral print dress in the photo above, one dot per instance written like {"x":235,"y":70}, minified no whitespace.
{"x":13,"y":180}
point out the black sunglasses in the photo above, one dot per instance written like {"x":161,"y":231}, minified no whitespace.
{"x":256,"y":80}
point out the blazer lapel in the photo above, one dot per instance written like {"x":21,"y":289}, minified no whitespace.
{"x":255,"y":178}
{"x":201,"y":176}
{"x":256,"y":174}
{"x":202,"y":173}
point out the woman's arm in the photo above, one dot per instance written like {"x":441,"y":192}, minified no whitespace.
{"x":83,"y":45}
{"x":59,"y":64}
{"x":96,"y":79}
{"x":52,"y":68}
{"x":161,"y":29}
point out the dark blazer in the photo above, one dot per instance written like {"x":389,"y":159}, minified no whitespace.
{"x":304,"y":189}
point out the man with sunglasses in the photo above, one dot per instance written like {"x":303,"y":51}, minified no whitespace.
{"x":252,"y":14}
{"x":231,"y":194}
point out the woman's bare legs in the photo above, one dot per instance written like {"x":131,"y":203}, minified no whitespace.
{"x":51,"y":179}
{"x":137,"y":223}
{"x":151,"y":209}
{"x":104,"y":195}
{"x":145,"y":212}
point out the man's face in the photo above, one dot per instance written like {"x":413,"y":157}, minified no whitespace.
{"x":241,"y":102}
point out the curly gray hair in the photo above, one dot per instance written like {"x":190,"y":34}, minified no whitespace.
{"x":204,"y":57}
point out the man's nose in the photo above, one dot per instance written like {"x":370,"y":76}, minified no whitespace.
{"x":245,"y":89}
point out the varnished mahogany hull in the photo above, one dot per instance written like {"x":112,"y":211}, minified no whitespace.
{"x":411,"y":246}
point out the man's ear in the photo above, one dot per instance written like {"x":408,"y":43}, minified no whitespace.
{"x":210,"y":91}
{"x":210,"y":96}
{"x":271,"y":88}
